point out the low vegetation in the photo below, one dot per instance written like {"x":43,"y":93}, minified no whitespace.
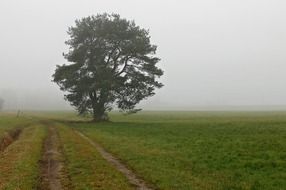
{"x":166,"y":150}
{"x":199,"y":150}
{"x":19,"y":162}
{"x":10,"y":121}
{"x":86,"y":167}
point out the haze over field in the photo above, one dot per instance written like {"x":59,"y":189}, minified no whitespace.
{"x":214,"y":53}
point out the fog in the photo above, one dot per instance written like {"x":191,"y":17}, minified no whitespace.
{"x":215,"y":53}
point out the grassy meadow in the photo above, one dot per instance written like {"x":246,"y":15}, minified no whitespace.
{"x":199,"y":150}
{"x":169,"y":150}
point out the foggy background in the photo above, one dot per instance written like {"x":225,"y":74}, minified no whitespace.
{"x":215,"y":53}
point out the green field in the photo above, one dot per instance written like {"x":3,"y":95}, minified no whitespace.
{"x":168,"y":150}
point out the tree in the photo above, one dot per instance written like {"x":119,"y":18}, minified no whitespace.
{"x":1,"y":104}
{"x":112,"y":63}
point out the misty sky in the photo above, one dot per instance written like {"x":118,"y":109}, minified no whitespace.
{"x":214,"y":52}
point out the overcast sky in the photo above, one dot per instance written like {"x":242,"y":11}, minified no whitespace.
{"x":214,"y":52}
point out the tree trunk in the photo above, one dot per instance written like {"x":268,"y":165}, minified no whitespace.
{"x":98,"y":108}
{"x":99,"y":114}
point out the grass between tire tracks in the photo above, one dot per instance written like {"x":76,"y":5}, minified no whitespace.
{"x":53,"y":174}
{"x":86,"y":167}
{"x":80,"y":162}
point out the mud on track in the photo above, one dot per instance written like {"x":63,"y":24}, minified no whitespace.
{"x":133,"y":179}
{"x":52,"y":171}
{"x":9,"y":137}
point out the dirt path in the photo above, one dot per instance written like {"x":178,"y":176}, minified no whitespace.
{"x":9,"y":137}
{"x":52,"y":164}
{"x":130,"y":175}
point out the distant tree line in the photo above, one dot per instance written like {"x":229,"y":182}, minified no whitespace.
{"x":1,"y":104}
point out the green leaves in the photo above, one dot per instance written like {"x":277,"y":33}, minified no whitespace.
{"x":112,"y":63}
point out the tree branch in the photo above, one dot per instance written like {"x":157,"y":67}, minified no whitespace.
{"x":114,"y":49}
{"x":124,"y":67}
{"x":110,"y":55}
{"x":115,"y":61}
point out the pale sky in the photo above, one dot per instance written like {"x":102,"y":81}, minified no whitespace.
{"x":214,"y":52}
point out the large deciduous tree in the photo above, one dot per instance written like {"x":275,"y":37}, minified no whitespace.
{"x":112,"y":63}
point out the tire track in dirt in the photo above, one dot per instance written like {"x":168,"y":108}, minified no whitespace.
{"x":9,"y":137}
{"x":52,"y":171}
{"x":133,"y":179}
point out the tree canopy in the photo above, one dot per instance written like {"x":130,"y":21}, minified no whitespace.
{"x":112,"y":64}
